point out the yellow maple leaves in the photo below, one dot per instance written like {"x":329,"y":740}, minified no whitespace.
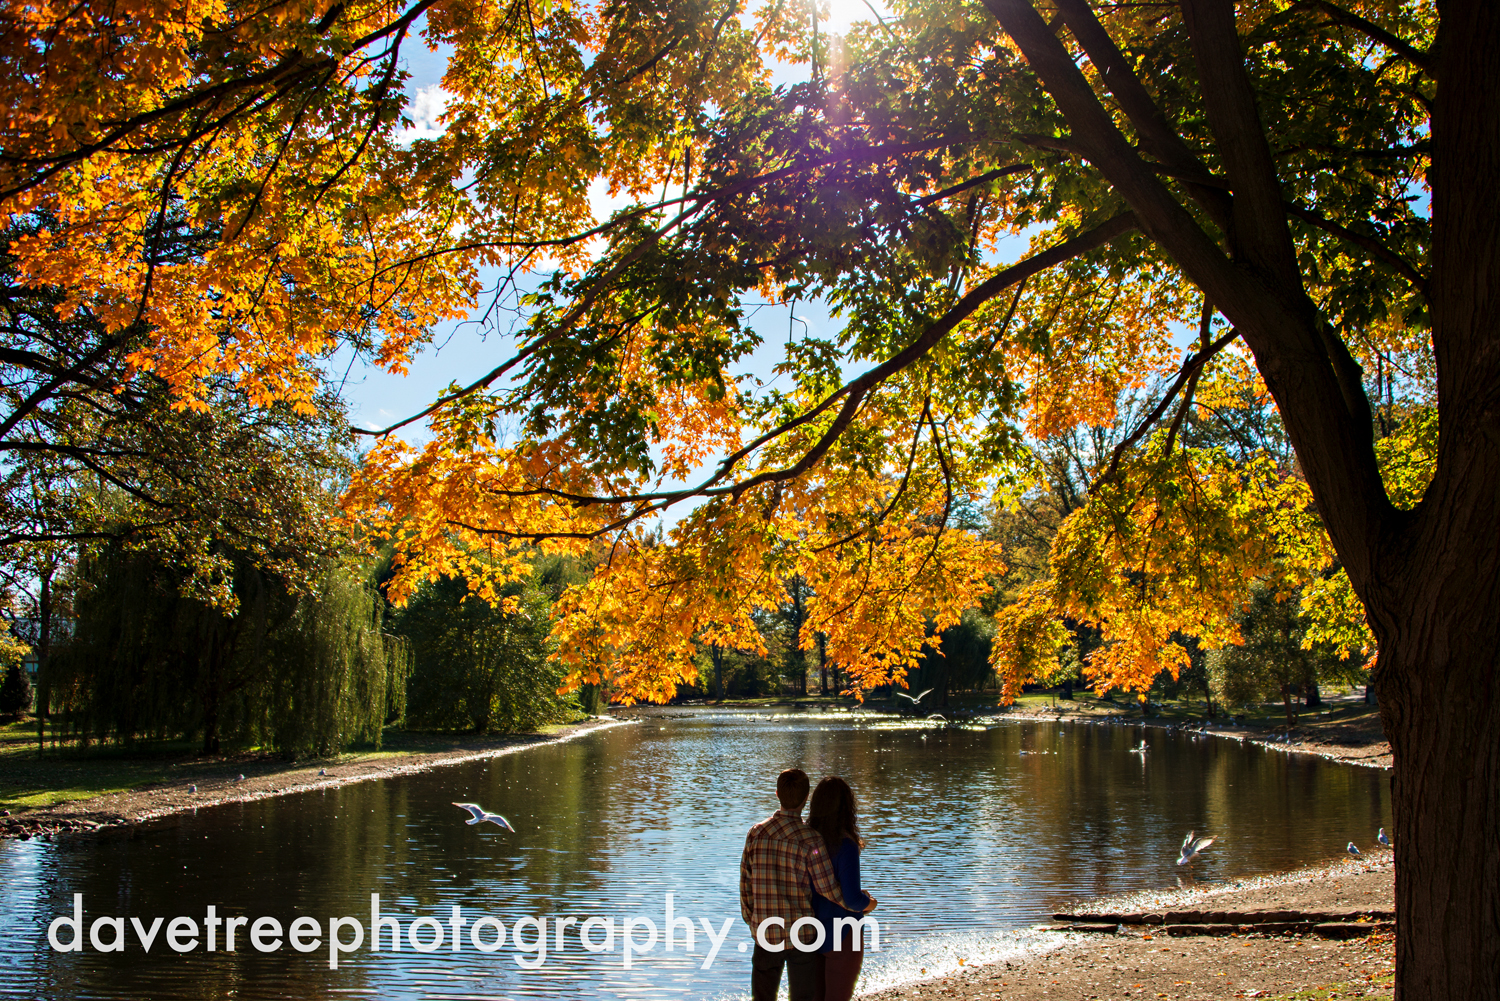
{"x":879,"y":587}
{"x":1164,"y":551}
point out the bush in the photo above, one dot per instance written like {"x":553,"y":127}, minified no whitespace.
{"x":15,"y":691}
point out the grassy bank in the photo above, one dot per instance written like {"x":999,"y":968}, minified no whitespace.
{"x":66,"y":774}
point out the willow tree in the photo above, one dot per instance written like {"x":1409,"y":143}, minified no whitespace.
{"x":305,"y":672}
{"x":1306,"y":188}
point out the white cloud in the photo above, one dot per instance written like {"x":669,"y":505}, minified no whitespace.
{"x":425,"y":109}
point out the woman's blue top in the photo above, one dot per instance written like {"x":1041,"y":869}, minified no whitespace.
{"x":846,"y":869}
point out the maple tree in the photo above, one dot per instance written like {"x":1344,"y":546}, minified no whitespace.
{"x":1303,"y":189}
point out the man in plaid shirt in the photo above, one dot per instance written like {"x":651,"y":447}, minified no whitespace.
{"x":784,"y":862}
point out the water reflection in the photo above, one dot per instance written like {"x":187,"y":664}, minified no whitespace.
{"x":974,"y":833}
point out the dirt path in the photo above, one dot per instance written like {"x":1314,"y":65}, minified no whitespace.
{"x":210,"y":784}
{"x":1145,"y":964}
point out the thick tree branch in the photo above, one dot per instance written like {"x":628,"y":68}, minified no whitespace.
{"x":1349,"y":19}
{"x":1377,"y":249}
{"x":974,"y":182}
{"x":852,"y":393}
{"x":1258,"y":232}
{"x":1158,"y":137}
{"x":1280,"y":324}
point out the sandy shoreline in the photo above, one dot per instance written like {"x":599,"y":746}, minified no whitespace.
{"x":211,"y":785}
{"x":1142,"y":962}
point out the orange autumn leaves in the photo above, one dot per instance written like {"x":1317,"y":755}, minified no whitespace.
{"x":466,"y":505}
{"x":251,"y":228}
{"x":221,"y":188}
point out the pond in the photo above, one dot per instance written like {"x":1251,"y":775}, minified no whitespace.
{"x":974,"y":834}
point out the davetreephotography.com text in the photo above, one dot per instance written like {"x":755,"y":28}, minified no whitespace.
{"x":531,"y":938}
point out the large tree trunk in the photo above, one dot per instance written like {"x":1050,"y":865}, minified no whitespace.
{"x":1437,"y":680}
{"x":1434,"y":600}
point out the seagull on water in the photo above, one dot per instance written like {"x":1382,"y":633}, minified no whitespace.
{"x":1351,"y":849}
{"x":1385,"y":842}
{"x":481,"y":815}
{"x":914,"y":699}
{"x":1192,"y":846}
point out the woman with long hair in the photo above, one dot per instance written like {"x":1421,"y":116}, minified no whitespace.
{"x":832,"y":814}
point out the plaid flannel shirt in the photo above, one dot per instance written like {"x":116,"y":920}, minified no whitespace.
{"x":784,"y":862}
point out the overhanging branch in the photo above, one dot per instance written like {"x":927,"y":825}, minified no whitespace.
{"x":851,"y":394}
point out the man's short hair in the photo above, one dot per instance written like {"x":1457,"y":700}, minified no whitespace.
{"x":791,"y":788}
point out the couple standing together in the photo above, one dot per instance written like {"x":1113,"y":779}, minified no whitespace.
{"x":800,"y":893}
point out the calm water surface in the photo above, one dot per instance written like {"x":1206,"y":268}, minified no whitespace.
{"x":974,"y":835}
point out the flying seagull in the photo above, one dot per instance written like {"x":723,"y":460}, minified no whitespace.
{"x":915,"y":699}
{"x":1384,"y":841}
{"x":1191,"y":846}
{"x":481,"y":815}
{"x":1351,"y":849}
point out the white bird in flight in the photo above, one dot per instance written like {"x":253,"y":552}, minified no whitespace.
{"x":1384,"y":841}
{"x":915,"y":699}
{"x":1192,"y":846}
{"x":481,"y":815}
